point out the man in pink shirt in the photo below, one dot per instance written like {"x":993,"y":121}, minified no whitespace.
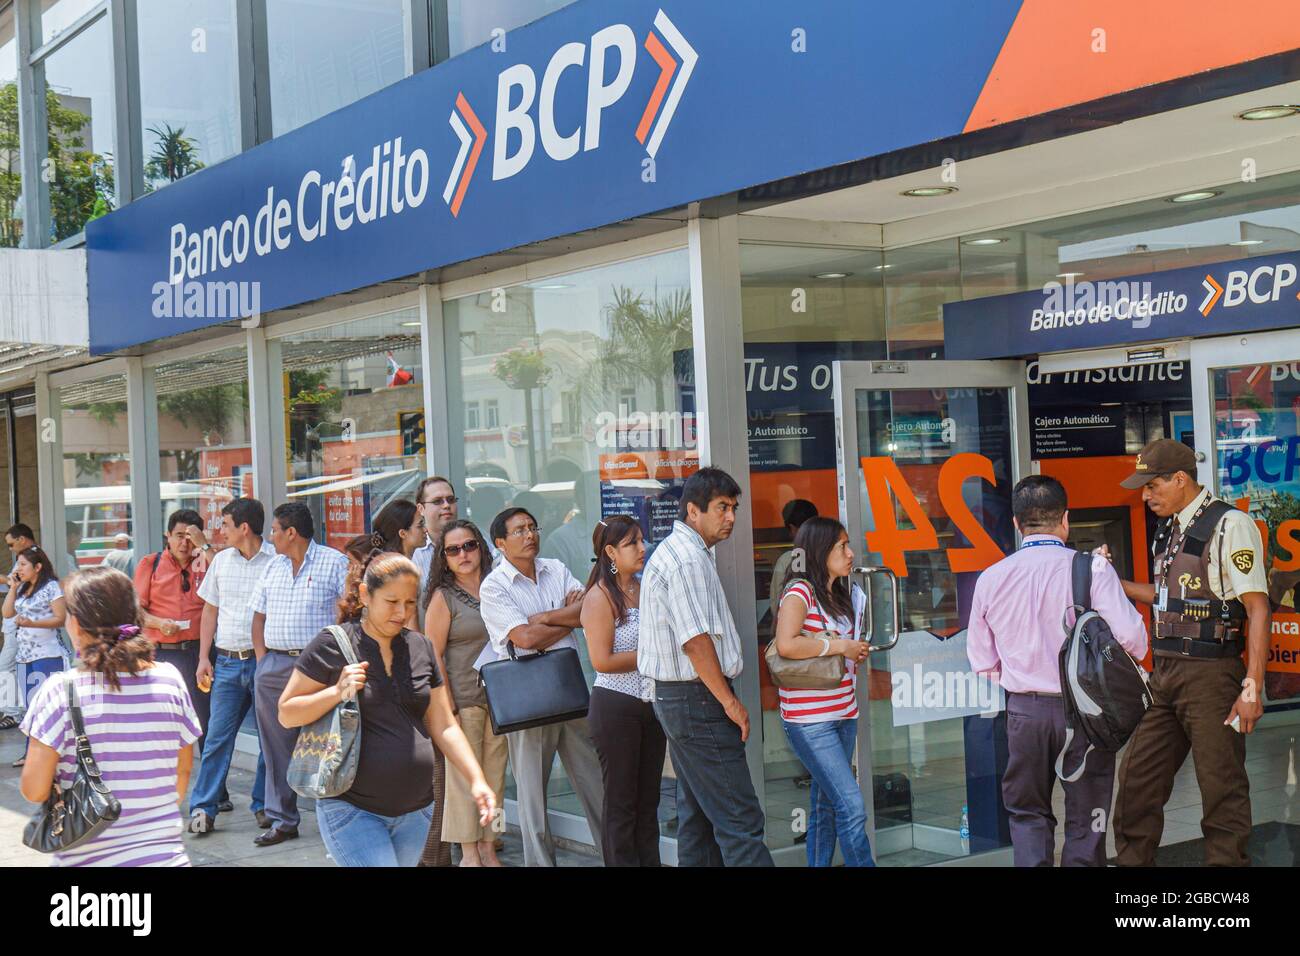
{"x":1015,"y":634}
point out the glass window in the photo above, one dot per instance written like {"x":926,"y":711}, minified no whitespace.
{"x":204,"y":442}
{"x":326,"y":54}
{"x":189,"y":87}
{"x":550,"y":358}
{"x":354,"y":403}
{"x":803,"y":307}
{"x":58,"y":15}
{"x":79,"y":100}
{"x":471,"y":22}
{"x":11,"y":167}
{"x":96,"y":469}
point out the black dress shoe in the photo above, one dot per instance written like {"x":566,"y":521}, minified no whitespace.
{"x":225,"y":806}
{"x":276,"y":836}
{"x":263,"y":821}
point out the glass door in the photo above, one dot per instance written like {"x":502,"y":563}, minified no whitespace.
{"x":927,"y":455}
{"x":1246,"y":409}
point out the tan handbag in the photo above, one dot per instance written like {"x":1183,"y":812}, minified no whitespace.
{"x":810,"y":673}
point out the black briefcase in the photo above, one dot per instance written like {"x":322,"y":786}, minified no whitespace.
{"x":537,"y":689}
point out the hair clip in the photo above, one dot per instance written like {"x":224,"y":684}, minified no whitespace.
{"x":376,"y":539}
{"x":127,"y":630}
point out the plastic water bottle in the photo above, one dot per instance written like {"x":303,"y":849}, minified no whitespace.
{"x":965,"y":831}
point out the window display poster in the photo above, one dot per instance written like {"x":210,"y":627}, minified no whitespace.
{"x":648,"y":486}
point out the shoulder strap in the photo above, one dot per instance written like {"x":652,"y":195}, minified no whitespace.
{"x":344,"y":641}
{"x":157,"y":556}
{"x":74,"y":706}
{"x":1081,"y":580}
{"x":1164,"y":531}
{"x":1202,"y":528}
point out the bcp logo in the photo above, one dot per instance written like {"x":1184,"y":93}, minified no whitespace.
{"x":1260,"y":285}
{"x":518,"y":93}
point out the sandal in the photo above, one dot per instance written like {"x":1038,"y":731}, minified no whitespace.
{"x":8,"y":723}
{"x":19,"y":762}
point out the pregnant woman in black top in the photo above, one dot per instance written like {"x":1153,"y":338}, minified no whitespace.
{"x":384,"y":818}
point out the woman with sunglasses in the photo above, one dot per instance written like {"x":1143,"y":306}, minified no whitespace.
{"x":456,"y":628}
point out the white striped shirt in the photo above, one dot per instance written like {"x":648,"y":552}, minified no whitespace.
{"x":298,"y":608}
{"x":507,"y":598}
{"x":135,"y":733}
{"x":807,"y":706}
{"x":682,"y":597}
{"x":228,"y":586}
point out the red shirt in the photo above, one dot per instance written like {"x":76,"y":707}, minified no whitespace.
{"x":162,"y":594}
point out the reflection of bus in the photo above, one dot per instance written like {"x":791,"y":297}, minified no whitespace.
{"x":101,"y":513}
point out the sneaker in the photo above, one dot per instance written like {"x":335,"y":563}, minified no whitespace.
{"x":201,"y":823}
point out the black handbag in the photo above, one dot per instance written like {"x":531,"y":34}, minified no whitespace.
{"x":531,"y":691}
{"x":71,"y":817}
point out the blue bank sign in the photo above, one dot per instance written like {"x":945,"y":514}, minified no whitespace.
{"x":601,"y":112}
{"x":1241,"y":296}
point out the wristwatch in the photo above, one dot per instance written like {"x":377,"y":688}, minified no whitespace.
{"x":207,"y":546}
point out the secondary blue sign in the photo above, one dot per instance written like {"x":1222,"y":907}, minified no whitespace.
{"x":603,"y":111}
{"x":1245,"y":295}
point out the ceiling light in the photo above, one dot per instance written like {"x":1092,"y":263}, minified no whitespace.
{"x":1195,"y":196}
{"x":1268,"y":112}
{"x":985,"y":241}
{"x":832,"y":275}
{"x":410,"y":325}
{"x":1068,"y":275}
{"x":925,"y":192}
{"x":1247,"y":242}
{"x":551,"y":287}
{"x":887,"y":265}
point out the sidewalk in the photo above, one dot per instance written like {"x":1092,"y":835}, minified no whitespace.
{"x":231,"y":844}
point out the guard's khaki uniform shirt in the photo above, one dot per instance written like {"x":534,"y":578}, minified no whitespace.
{"x":1235,"y":550}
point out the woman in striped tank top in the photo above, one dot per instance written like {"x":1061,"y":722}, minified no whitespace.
{"x":139,"y":719}
{"x":819,"y":615}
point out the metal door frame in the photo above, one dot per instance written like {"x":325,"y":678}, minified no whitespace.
{"x":897,"y":375}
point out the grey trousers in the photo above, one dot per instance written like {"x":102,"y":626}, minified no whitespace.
{"x":532,"y":754}
{"x":1035,"y":736}
{"x":272,"y":676}
{"x":10,"y":699}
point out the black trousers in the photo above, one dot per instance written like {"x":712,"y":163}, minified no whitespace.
{"x":631,"y":745}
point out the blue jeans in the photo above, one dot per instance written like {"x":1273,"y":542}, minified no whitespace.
{"x":826,"y":749}
{"x":232,"y":697}
{"x":719,"y":819}
{"x":356,"y":837}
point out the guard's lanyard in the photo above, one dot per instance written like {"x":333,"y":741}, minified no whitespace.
{"x":1044,"y":543}
{"x":1176,"y":539}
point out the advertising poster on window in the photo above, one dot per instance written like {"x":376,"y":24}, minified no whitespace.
{"x":648,"y":486}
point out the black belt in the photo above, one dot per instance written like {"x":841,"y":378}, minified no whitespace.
{"x":1190,"y":647}
{"x":237,"y":655}
{"x":175,"y":645}
{"x":1208,"y":609}
{"x":276,"y":650}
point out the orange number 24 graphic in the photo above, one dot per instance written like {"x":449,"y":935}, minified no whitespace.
{"x":885,"y":484}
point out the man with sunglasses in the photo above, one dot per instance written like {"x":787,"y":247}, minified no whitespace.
{"x":167,"y":585}
{"x":437,"y":501}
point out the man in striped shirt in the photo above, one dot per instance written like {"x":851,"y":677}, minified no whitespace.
{"x":689,"y":646}
{"x":296,"y":599}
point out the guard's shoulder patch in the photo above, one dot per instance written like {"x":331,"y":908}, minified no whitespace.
{"x":1244,"y":560}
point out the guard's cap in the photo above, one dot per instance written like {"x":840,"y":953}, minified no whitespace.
{"x":1163,"y":456}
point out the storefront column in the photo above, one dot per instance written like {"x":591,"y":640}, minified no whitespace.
{"x":49,"y":469}
{"x":142,"y":441}
{"x":723,"y":439}
{"x":437,"y":404}
{"x":129,"y":166}
{"x":33,"y":121}
{"x":266,"y":418}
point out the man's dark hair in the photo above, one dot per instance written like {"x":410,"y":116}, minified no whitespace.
{"x":20,"y":530}
{"x":247,"y":511}
{"x":432,"y":480}
{"x":184,"y":516}
{"x":1038,"y":501}
{"x":73,"y":527}
{"x":295,"y":515}
{"x":705,"y":485}
{"x":798,"y":511}
{"x":498,"y":529}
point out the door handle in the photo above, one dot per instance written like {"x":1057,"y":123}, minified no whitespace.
{"x":867,"y":574}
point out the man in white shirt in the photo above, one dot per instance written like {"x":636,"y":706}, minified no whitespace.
{"x":534,"y":603}
{"x":689,"y":646}
{"x":226,"y":589}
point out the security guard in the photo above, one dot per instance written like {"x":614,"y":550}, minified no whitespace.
{"x":1210,"y":600}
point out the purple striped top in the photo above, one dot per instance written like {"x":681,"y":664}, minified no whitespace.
{"x":135,"y":733}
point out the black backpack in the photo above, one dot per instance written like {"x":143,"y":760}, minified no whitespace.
{"x":1104,"y":689}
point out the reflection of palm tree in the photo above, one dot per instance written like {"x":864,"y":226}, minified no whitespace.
{"x":644,"y":339}
{"x":174,"y":155}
